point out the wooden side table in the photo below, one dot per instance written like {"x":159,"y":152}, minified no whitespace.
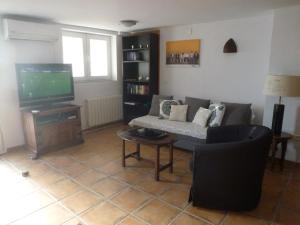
{"x":282,"y":139}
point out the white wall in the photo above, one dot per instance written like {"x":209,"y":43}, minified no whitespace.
{"x":268,"y":44}
{"x":16,"y":51}
{"x":285,"y":59}
{"x":229,"y":77}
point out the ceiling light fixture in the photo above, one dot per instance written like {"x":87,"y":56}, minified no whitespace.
{"x":128,"y":23}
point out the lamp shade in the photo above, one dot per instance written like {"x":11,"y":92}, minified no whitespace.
{"x":282,"y":85}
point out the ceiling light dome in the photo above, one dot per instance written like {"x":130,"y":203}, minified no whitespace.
{"x":128,"y":23}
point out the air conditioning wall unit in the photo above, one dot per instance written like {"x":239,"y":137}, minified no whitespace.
{"x":22,"y":30}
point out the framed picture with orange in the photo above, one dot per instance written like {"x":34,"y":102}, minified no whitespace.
{"x":183,"y":52}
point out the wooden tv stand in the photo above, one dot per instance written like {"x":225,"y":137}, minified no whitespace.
{"x":51,"y":128}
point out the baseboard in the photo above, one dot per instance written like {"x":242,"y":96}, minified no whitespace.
{"x":15,"y":148}
{"x":102,"y":126}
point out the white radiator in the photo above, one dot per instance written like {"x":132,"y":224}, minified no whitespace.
{"x":103,"y":110}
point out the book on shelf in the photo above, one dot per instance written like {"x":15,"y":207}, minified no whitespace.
{"x":144,"y":79}
{"x":137,"y":89}
{"x":133,"y":56}
{"x":130,"y":103}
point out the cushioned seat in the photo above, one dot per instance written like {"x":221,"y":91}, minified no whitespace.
{"x":228,"y":170}
{"x":176,"y":127}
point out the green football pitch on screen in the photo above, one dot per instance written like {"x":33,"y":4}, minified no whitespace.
{"x":43,"y":84}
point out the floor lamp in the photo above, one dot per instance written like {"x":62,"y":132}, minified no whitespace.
{"x":281,"y":86}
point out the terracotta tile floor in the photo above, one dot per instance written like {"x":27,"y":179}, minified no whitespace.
{"x":86,"y":184}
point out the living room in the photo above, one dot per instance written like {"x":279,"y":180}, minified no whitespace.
{"x":93,"y":154}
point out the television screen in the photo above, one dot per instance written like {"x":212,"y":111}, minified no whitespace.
{"x":44,"y":83}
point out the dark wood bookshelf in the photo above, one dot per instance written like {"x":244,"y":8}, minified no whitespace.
{"x":140,"y":73}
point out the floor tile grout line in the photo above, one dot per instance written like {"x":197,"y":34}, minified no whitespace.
{"x":183,"y":211}
{"x":200,"y":218}
{"x":68,"y":220}
{"x":52,"y":203}
{"x":110,"y":197}
{"x":135,"y":217}
{"x":158,"y":197}
{"x":133,"y":186}
{"x":86,"y":187}
{"x":179,"y":214}
{"x":132,"y":213}
{"x":90,"y":208}
{"x":152,"y":197}
{"x":39,"y":189}
{"x":175,"y":218}
{"x":58,"y":201}
{"x":105,"y":199}
{"x":74,"y":213}
{"x":224,"y":218}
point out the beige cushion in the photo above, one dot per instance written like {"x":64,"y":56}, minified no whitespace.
{"x":202,"y":117}
{"x":178,"y":112}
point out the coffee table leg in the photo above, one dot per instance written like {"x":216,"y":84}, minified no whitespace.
{"x":123,"y":154}
{"x":171,"y":158}
{"x":157,"y":163}
{"x":138,"y":150}
{"x":283,"y":151}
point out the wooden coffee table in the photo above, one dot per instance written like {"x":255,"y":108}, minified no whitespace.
{"x":125,"y":135}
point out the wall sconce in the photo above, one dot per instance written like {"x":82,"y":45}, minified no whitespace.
{"x":230,"y":46}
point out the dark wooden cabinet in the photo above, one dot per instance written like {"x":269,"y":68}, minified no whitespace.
{"x":51,"y":128}
{"x":140,"y":73}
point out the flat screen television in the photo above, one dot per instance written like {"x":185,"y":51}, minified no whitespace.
{"x":43,"y":84}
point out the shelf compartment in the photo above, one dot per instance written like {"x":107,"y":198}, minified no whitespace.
{"x":136,"y":61}
{"x":135,"y":49}
{"x":137,"y":82}
{"x":144,"y":95}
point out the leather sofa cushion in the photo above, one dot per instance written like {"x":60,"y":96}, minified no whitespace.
{"x":237,"y":114}
{"x":154,"y":110}
{"x":193,"y":105}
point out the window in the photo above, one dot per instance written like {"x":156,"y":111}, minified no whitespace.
{"x":73,"y":54}
{"x":89,"y":54}
{"x":98,"y":57}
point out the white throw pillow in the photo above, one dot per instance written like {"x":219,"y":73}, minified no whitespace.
{"x":178,"y":112}
{"x":202,"y":117}
{"x":165,"y":107}
{"x":218,"y":111}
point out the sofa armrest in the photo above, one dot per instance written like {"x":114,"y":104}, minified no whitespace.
{"x":224,"y":175}
{"x":228,"y":162}
{"x":224,"y":153}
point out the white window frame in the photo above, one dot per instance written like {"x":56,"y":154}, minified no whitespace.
{"x":86,"y":53}
{"x":109,"y":55}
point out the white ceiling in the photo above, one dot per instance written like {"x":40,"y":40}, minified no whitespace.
{"x":150,"y":13}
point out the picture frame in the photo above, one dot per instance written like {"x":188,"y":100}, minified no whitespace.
{"x":183,"y":52}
